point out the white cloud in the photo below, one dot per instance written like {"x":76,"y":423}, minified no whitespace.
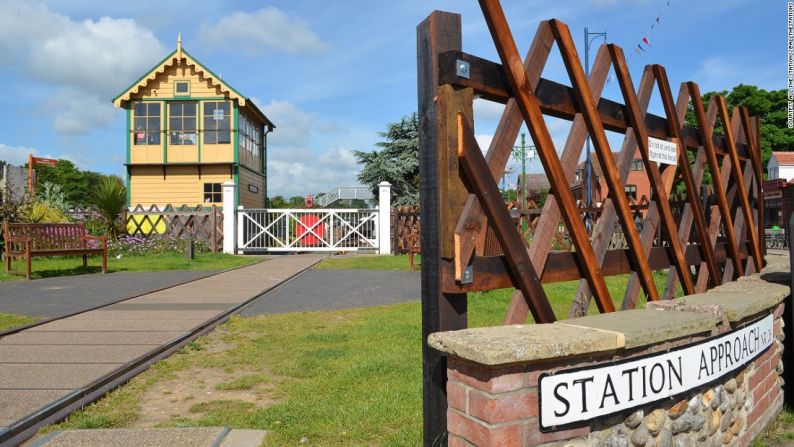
{"x":294,"y":166}
{"x":719,"y":73}
{"x":292,"y":124}
{"x":484,"y":141}
{"x":487,"y":110}
{"x":260,"y":31}
{"x":90,"y":61}
{"x":18,"y":155}
{"x":78,"y":113}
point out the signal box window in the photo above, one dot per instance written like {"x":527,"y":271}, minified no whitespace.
{"x":213,"y":193}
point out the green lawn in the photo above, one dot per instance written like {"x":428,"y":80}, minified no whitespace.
{"x":8,"y":321}
{"x":779,"y":433}
{"x":66,"y":266}
{"x":369,"y":262}
{"x":349,"y":377}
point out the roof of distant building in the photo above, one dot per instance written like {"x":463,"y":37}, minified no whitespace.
{"x":784,"y":158}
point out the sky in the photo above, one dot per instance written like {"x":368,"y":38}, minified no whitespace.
{"x":330,"y":74}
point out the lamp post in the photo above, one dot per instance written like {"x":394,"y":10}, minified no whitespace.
{"x":521,"y":153}
{"x":588,"y":40}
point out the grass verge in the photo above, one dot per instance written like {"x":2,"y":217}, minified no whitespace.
{"x":780,"y":433}
{"x":369,"y":262}
{"x":73,"y":265}
{"x":350,"y":377}
{"x":7,"y":321}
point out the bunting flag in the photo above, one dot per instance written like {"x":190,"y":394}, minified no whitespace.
{"x":646,"y":39}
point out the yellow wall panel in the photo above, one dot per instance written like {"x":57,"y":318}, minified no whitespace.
{"x":183,"y":154}
{"x":180,"y":184}
{"x":217,"y":153}
{"x":146,"y":154}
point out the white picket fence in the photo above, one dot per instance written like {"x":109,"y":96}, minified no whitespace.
{"x":271,"y":230}
{"x":290,"y":230}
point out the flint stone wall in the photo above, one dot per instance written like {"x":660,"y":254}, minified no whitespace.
{"x":492,"y":389}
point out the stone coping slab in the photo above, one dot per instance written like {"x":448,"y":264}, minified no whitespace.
{"x":737,"y":304}
{"x":598,"y":334}
{"x":522,"y":343}
{"x":641,"y":328}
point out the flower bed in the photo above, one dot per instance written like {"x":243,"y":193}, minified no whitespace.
{"x":155,"y":244}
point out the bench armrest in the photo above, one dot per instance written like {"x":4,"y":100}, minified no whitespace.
{"x":103,"y":239}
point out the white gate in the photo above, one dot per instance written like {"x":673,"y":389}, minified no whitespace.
{"x":304,"y":230}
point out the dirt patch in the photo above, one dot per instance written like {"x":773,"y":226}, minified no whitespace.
{"x":175,"y":398}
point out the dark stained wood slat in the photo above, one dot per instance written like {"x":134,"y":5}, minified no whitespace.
{"x":492,"y":272}
{"x":686,"y":221}
{"x":716,"y":177}
{"x":737,"y":174}
{"x":438,"y":33}
{"x":489,"y":81}
{"x":484,"y":186}
{"x":530,"y":110}
{"x":691,"y":188}
{"x":657,"y":187}
{"x":472,"y":221}
{"x":755,"y":161}
{"x":651,"y":228}
{"x":545,"y":232}
{"x":604,"y":154}
{"x":760,"y":193}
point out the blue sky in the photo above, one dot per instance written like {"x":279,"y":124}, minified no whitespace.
{"x":330,"y":74}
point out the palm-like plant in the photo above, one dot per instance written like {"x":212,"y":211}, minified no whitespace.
{"x":110,"y":197}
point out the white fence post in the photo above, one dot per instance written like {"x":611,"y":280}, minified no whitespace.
{"x":384,"y":218}
{"x":229,"y":217}
{"x":240,"y":235}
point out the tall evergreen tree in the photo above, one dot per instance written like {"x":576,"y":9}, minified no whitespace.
{"x":397,"y":161}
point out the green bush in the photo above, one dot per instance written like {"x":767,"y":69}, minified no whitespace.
{"x":110,"y":197}
{"x":42,"y":212}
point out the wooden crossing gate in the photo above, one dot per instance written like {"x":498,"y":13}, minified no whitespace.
{"x":460,"y":198}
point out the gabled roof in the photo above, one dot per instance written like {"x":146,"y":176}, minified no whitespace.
{"x":535,"y":182}
{"x":177,"y":57}
{"x":784,"y":158}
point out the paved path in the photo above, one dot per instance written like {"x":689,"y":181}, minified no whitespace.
{"x":338,"y":289}
{"x":54,"y":364}
{"x":53,"y":297}
{"x":154,"y":437}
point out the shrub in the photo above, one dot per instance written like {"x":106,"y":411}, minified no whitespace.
{"x":110,"y":197}
{"x":42,"y":212}
{"x":52,"y":194}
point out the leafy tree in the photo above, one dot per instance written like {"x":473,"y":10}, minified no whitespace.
{"x":296,"y":202}
{"x":277,"y":202}
{"x":110,"y":198}
{"x":769,"y":105}
{"x":77,"y":185}
{"x":397,"y":162}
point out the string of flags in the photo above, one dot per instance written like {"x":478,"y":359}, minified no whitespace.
{"x":645,"y":42}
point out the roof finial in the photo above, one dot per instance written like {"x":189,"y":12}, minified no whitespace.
{"x":179,"y":44}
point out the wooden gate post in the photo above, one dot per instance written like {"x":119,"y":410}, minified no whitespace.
{"x":438,"y":33}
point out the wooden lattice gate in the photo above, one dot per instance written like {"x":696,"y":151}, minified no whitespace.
{"x":459,"y":194}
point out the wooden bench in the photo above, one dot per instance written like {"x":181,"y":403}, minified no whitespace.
{"x":23,"y":240}
{"x":414,"y":248}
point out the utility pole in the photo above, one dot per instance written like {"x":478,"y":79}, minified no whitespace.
{"x":588,"y":40}
{"x":521,"y":153}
